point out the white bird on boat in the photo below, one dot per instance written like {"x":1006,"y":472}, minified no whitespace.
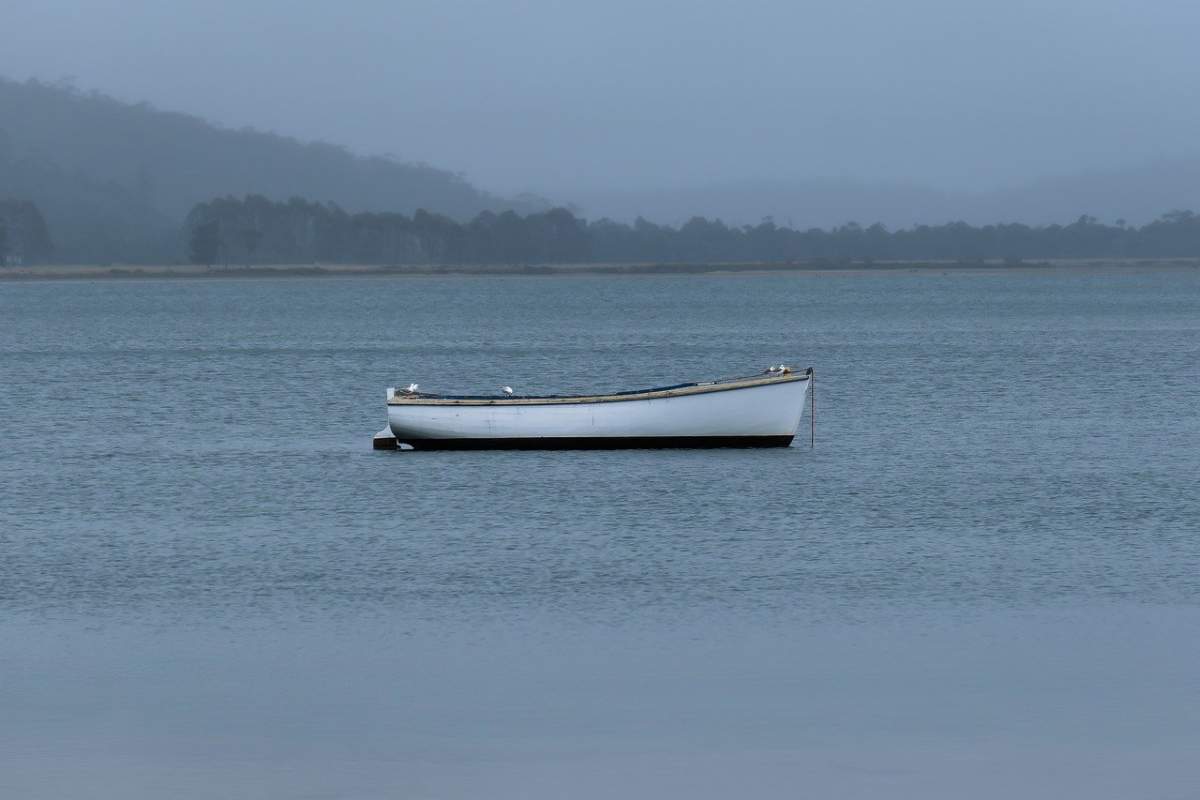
{"x":412,"y":388}
{"x":506,"y":389}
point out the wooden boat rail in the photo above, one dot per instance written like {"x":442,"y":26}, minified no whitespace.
{"x":680,"y":390}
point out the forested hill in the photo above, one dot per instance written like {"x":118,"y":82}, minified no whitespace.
{"x":114,"y":179}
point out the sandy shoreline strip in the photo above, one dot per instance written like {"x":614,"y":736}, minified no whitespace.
{"x":97,"y":272}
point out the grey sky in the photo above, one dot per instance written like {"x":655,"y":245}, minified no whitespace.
{"x":547,"y":96}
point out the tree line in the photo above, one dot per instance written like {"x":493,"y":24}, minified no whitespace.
{"x":256,"y":230}
{"x":24,"y":237}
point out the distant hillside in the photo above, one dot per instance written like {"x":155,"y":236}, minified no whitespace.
{"x":115,"y":180}
{"x":1136,"y":194}
{"x":816,"y":203}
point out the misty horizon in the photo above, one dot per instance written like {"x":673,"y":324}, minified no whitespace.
{"x":655,"y":100}
{"x":817,"y":201}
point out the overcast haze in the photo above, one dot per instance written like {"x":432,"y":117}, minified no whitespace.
{"x":580,"y":99}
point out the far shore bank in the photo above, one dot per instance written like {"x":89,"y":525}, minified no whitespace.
{"x":118,"y":272}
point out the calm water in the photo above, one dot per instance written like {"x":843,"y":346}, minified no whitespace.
{"x":984,"y":581}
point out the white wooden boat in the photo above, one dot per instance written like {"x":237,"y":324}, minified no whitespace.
{"x":759,"y":411}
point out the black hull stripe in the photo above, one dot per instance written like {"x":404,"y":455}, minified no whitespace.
{"x":597,"y":442}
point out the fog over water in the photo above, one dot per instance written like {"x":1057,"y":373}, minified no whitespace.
{"x":585,"y":101}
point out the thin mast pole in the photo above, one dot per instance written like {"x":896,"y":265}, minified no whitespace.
{"x":812,"y":408}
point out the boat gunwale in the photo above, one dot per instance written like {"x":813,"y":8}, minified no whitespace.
{"x":682,"y":390}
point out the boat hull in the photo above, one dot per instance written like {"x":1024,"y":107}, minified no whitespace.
{"x":760,"y":415}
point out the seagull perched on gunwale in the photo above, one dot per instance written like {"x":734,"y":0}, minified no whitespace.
{"x":506,"y":389}
{"x":412,"y":388}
